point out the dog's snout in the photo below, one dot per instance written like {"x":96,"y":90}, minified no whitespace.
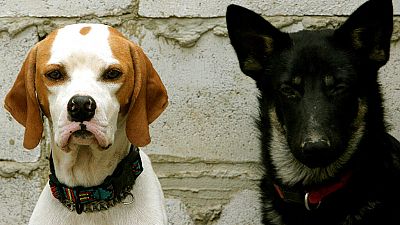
{"x":320,"y":145}
{"x":317,"y":153}
{"x":81,"y":108}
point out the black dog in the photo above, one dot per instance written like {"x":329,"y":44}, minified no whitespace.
{"x":327,"y":156}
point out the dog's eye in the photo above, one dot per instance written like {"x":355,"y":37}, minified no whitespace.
{"x":54,"y":75}
{"x":289,"y":91}
{"x":112,"y":74}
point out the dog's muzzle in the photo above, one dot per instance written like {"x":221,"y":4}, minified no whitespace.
{"x":318,"y":153}
{"x":81,"y":108}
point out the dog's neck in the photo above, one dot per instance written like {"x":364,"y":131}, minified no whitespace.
{"x":89,"y":165}
{"x":312,"y":196}
{"x":114,"y":189}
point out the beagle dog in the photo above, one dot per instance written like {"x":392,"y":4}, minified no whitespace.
{"x":99,"y":92}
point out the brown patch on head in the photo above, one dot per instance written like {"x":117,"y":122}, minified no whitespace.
{"x":120,"y":48}
{"x":142,"y":95}
{"x":85,"y":30}
{"x":41,"y":83}
{"x":114,"y":32}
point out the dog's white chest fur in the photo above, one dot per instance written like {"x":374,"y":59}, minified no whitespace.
{"x":147,"y":206}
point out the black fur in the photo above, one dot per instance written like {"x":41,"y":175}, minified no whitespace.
{"x":321,"y":115}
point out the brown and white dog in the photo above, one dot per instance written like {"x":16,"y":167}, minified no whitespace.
{"x":99,"y":92}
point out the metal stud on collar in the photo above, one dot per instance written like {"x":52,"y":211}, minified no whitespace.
{"x":130,"y":200}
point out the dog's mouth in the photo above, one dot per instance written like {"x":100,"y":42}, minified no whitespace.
{"x":82,"y":137}
{"x":85,"y":133}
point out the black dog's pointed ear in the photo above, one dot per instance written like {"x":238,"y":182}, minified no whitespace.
{"x":368,"y":31}
{"x":253,"y":38}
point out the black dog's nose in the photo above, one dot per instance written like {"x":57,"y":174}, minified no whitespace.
{"x":318,"y":146}
{"x":81,"y":108}
{"x":318,"y":153}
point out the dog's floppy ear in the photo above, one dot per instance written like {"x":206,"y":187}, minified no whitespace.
{"x":253,"y":38}
{"x":149,"y":98}
{"x":22,"y":103}
{"x":368,"y":31}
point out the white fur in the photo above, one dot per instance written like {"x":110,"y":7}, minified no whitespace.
{"x":85,"y":58}
{"x":87,"y":162}
{"x":146,"y":209}
{"x":292,"y":171}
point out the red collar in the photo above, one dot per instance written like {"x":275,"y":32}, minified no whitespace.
{"x":313,"y":196}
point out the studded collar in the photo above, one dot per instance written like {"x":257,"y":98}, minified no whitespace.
{"x":114,"y":189}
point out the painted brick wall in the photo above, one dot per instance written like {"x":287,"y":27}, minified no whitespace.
{"x":204,"y":147}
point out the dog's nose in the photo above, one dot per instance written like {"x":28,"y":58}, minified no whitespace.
{"x":317,"y":153}
{"x":81,"y":108}
{"x":310,"y":147}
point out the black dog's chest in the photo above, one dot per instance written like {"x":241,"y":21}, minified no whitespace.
{"x":339,"y":209}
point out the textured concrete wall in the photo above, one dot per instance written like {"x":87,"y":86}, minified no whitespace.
{"x":204,"y":147}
